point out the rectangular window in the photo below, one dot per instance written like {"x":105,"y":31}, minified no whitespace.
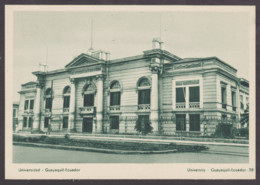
{"x":114,"y":98}
{"x":194,"y":122}
{"x":46,"y":122}
{"x":114,"y":122}
{"x":88,"y":100}
{"x":144,"y":96}
{"x":241,"y":102}
{"x":194,"y":95}
{"x":143,"y":118}
{"x":25,"y":122}
{"x":224,"y":97}
{"x":247,"y":102}
{"x":180,"y":95}
{"x":31,"y":104}
{"x":30,"y":122}
{"x":14,"y":113}
{"x":48,"y":103}
{"x":26,"y":104}
{"x":233,"y":95}
{"x":65,"y":122}
{"x":180,"y":122}
{"x":66,"y":102}
{"x":224,"y":118}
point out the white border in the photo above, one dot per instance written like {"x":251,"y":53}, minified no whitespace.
{"x":123,"y":171}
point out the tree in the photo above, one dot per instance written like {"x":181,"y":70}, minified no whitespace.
{"x":244,"y":118}
{"x":143,"y":126}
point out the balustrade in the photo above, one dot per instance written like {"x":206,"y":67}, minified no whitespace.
{"x":144,"y":107}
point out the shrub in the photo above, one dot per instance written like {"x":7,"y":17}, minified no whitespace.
{"x":67,"y":136}
{"x":244,"y":132}
{"x":225,"y":130}
{"x":143,"y":126}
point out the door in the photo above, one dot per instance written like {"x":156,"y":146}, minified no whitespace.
{"x":87,"y":125}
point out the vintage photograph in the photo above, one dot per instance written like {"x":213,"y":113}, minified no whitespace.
{"x":120,"y":85}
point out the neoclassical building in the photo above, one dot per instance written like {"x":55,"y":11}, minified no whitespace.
{"x":94,"y":94}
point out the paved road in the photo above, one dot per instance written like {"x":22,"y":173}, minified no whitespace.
{"x":24,"y":154}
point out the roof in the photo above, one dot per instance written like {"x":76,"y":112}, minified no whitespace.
{"x":30,"y":83}
{"x":206,"y":58}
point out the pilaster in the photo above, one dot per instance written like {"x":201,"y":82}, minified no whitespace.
{"x":72,"y":105}
{"x":99,"y":110}
{"x":154,"y":99}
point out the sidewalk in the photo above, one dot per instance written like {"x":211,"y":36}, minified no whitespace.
{"x":152,"y":139}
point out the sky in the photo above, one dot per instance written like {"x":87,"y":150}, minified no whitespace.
{"x":56,"y":38}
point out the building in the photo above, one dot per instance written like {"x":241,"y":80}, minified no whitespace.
{"x":15,"y":115}
{"x":94,"y":94}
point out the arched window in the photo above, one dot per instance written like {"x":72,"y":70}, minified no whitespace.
{"x":48,"y":99}
{"x":144,"y":91}
{"x":115,"y":93}
{"x":89,"y":91}
{"x":66,"y":99}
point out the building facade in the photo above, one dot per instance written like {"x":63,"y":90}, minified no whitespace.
{"x":94,"y":94}
{"x":15,"y":115}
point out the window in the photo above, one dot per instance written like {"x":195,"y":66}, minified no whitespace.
{"x":14,"y":113}
{"x":114,"y":98}
{"x":144,"y":119}
{"x":88,"y":100}
{"x":144,"y":96}
{"x":247,"y":102}
{"x":194,"y":94}
{"x":180,"y":95}
{"x":187,"y":94}
{"x":65,"y":122}
{"x":25,"y":122}
{"x":66,"y":97}
{"x":26,"y":104}
{"x":89,"y":95}
{"x":114,"y":122}
{"x":233,"y":96}
{"x":31,"y":104}
{"x":66,"y":102}
{"x":241,"y":102}
{"x":194,"y":122}
{"x":48,"y":102}
{"x":30,"y":122}
{"x":224,"y":118}
{"x":224,"y":97}
{"x":144,"y":91}
{"x":180,"y":122}
{"x":115,"y":94}
{"x":46,"y":122}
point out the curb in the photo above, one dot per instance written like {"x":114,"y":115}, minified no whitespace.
{"x":77,"y":148}
{"x":147,"y":140}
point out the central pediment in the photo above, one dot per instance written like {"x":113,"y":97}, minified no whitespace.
{"x":83,"y":60}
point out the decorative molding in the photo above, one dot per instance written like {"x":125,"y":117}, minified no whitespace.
{"x":89,"y":82}
{"x":184,"y":66}
{"x":99,"y":77}
{"x":86,"y":70}
{"x":155,"y":69}
{"x":72,"y":80}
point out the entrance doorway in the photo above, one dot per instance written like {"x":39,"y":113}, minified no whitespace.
{"x":87,"y":124}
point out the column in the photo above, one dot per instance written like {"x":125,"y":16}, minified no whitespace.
{"x":187,"y":97}
{"x":187,"y":122}
{"x":99,"y":110}
{"x":37,"y":109}
{"x":72,"y":105}
{"x":154,"y":99}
